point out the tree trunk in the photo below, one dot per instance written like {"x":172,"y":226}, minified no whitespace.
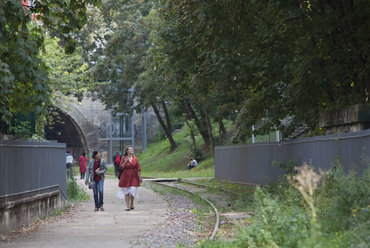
{"x":191,"y":134}
{"x":164,"y":127}
{"x":209,"y":129}
{"x":40,"y":125}
{"x":168,"y":121}
{"x":202,"y":129}
{"x":221,"y":127}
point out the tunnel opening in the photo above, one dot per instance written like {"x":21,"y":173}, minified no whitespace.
{"x":62,"y":128}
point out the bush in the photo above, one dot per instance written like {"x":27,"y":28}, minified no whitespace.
{"x":74,"y":192}
{"x":336,"y":214}
{"x":343,"y":205}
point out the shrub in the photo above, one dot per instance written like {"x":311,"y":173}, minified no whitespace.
{"x":74,"y":192}
{"x":343,"y":205}
{"x":308,"y":212}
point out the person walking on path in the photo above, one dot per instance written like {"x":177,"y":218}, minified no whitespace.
{"x":95,"y":174}
{"x":130,"y":178}
{"x":116,"y":161}
{"x":83,"y":163}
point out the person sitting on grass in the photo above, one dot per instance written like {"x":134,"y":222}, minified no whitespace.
{"x":192,"y":163}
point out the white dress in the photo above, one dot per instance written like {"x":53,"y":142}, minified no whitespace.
{"x":127,"y":190}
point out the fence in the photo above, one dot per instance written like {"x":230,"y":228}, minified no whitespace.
{"x":253,"y":163}
{"x":32,"y":181}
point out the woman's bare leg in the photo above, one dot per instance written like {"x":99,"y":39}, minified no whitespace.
{"x":132,"y":201}
{"x":127,"y":200}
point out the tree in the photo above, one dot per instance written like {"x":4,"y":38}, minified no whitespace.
{"x":200,"y":61}
{"x":307,"y":57}
{"x":24,"y":81}
{"x":280,"y":59}
{"x":254,"y":62}
{"x":125,"y":85}
{"x":66,"y":71}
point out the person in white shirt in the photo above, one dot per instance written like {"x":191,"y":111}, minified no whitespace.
{"x":69,"y":162}
{"x":69,"y":159}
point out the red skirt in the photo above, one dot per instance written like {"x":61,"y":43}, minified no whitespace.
{"x":129,"y":178}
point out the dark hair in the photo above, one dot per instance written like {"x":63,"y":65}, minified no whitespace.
{"x":83,"y":154}
{"x":126,"y":150}
{"x":94,"y":154}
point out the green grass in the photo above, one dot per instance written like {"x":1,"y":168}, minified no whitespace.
{"x":159,"y":161}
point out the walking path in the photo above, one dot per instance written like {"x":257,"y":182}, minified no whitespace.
{"x":112,"y":228}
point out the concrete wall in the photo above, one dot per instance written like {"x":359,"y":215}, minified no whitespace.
{"x":22,"y":209}
{"x":252,"y":164}
{"x":32,"y":181}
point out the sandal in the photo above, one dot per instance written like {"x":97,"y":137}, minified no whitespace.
{"x":127,"y":209}
{"x":96,"y":209}
{"x":101,"y":209}
{"x":132,"y":208}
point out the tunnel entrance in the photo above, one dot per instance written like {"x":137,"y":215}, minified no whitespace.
{"x":63,"y":129}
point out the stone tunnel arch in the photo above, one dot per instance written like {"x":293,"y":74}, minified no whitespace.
{"x":66,"y":130}
{"x":88,"y":126}
{"x":78,"y":126}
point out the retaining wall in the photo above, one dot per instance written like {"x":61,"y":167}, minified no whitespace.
{"x":32,"y":181}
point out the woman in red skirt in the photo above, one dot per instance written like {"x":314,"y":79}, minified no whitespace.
{"x":83,"y":162}
{"x":130,"y":178}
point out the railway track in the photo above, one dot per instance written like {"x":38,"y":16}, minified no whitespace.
{"x":213,"y":188}
{"x":227,"y":205}
{"x":184,"y":186}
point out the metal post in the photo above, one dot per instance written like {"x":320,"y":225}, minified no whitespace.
{"x":131,"y":90}
{"x":253,"y":138}
{"x":133,"y":130}
{"x":110,"y":153}
{"x":144,"y":129}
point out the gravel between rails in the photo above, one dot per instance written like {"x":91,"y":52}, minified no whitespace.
{"x":180,"y":228}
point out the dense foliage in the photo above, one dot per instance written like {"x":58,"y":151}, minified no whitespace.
{"x":254,"y":62}
{"x":24,"y":80}
{"x":268,"y":60}
{"x":271,"y":64}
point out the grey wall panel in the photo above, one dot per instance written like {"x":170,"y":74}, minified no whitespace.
{"x":29,"y":166}
{"x":252,"y":163}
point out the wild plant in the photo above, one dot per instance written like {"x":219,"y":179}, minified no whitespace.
{"x":306,"y":182}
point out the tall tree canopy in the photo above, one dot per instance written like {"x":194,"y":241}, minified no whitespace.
{"x":116,"y":49}
{"x":254,"y":62}
{"x":269,"y":60}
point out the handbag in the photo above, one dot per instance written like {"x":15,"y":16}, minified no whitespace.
{"x":91,"y":184}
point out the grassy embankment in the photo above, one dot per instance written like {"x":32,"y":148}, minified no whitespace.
{"x":159,"y":161}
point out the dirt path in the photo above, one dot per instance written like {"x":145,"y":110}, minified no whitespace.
{"x":112,"y":228}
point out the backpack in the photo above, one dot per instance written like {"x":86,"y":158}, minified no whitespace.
{"x":118,"y":159}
